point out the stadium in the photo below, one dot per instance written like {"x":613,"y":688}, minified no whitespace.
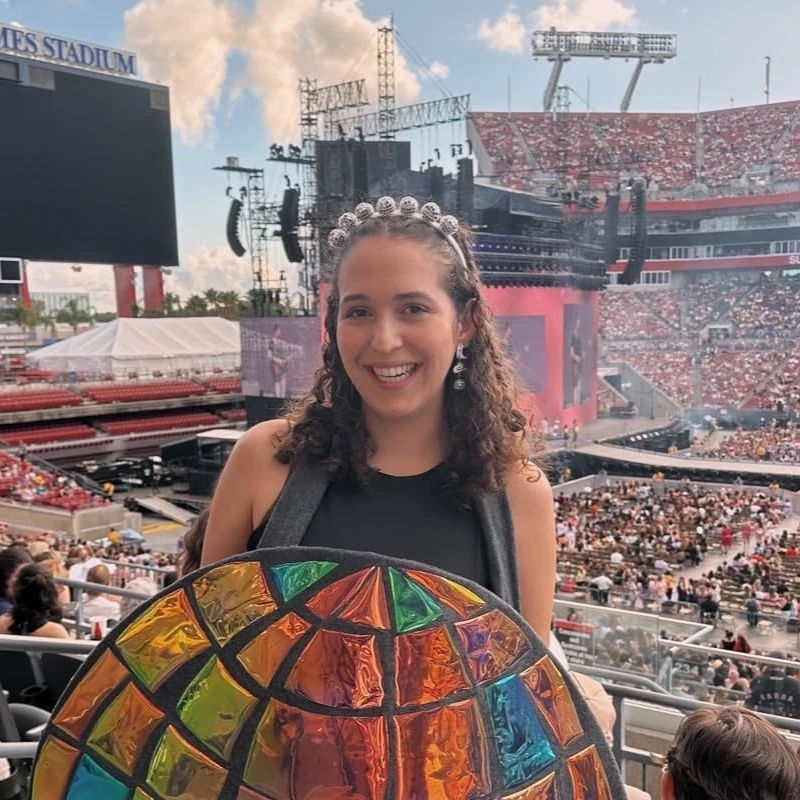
{"x":643,"y":273}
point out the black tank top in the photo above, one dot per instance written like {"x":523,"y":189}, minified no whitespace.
{"x":414,"y":518}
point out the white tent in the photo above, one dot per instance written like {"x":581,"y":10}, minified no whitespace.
{"x":145,"y":346}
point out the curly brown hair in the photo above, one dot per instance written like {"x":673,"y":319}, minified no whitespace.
{"x":485,"y":425}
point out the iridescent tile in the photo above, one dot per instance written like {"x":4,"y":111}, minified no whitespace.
{"x":248,"y":794}
{"x":214,"y":708}
{"x":179,"y":771}
{"x":122,"y":744}
{"x":232,"y":596}
{"x":427,"y":667}
{"x":267,"y":651}
{"x":441,"y":753}
{"x":54,"y":765}
{"x":328,"y":600}
{"x":492,"y":642}
{"x":551,"y":695}
{"x":83,"y":701}
{"x":544,"y":789}
{"x":414,"y":608}
{"x":91,"y":781}
{"x":368,"y":605}
{"x":463,"y":601}
{"x":339,"y":670}
{"x":297,"y":577}
{"x":140,"y":795}
{"x":522,"y":745}
{"x":305,"y":756}
{"x":588,"y":775}
{"x":162,"y":639}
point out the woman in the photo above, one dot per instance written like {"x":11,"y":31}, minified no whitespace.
{"x":729,"y":753}
{"x":411,"y":422}
{"x":36,"y":609}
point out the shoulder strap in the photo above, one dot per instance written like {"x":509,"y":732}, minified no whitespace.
{"x":295,"y":508}
{"x":494,"y":513}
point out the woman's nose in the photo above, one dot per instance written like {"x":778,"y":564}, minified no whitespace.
{"x":386,"y":335}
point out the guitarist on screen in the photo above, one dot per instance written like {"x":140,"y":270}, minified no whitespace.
{"x":278,"y":352}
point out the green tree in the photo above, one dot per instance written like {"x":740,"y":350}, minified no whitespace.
{"x":196,"y":306}
{"x":104,"y":316}
{"x":71,"y":314}
{"x":172,"y":305}
{"x":30,"y":317}
{"x":229,"y":305}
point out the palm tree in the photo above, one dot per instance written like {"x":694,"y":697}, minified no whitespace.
{"x":213,"y":300}
{"x":30,"y":317}
{"x":196,"y":306}
{"x":71,"y":314}
{"x":229,"y":304}
{"x":172,"y":305}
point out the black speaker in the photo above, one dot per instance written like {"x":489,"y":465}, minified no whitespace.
{"x":360,"y":175}
{"x":291,"y":246}
{"x":436,"y":185}
{"x":633,"y":269}
{"x":612,"y":229}
{"x":289,"y":215}
{"x":465,"y":189}
{"x":232,"y":228}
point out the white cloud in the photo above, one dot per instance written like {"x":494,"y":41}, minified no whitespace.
{"x":210,"y":268}
{"x":97,"y":280}
{"x":439,"y":70}
{"x":185,"y":44}
{"x":585,"y":15}
{"x":507,"y":33}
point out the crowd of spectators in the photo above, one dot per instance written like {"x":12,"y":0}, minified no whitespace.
{"x":770,"y":443}
{"x":24,"y":482}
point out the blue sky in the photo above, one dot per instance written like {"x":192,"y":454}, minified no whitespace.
{"x":233,"y":65}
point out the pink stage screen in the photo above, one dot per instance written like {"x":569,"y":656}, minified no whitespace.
{"x":580,"y":354}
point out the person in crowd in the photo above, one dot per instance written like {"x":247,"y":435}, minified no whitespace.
{"x":99,"y":604}
{"x":141,"y":585}
{"x":775,"y":691}
{"x":36,"y":609}
{"x":11,"y":559}
{"x":729,"y":753}
{"x":52,"y":562}
{"x":411,"y":427}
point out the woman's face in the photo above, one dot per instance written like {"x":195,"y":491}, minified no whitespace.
{"x":398,"y":329}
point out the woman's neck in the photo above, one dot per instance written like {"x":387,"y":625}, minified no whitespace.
{"x":407,"y":446}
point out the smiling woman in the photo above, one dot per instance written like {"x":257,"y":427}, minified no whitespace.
{"x":410,"y":443}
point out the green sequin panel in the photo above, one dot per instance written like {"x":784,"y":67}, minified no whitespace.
{"x":414,"y":608}
{"x":295,"y":578}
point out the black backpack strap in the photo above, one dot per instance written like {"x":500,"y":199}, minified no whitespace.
{"x":494,"y":513}
{"x":295,"y":508}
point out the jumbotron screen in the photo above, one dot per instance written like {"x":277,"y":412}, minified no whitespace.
{"x":86,"y":165}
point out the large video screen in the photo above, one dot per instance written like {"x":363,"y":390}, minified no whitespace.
{"x":86,"y":165}
{"x":523,"y":340}
{"x":279,"y":356}
{"x":580,"y":354}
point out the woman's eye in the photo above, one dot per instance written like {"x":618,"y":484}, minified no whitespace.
{"x":414,"y":309}
{"x":356,"y":312}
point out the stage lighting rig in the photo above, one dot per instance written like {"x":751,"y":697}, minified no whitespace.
{"x":291,"y":154}
{"x":562,"y":46}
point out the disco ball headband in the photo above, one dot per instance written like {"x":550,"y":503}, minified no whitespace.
{"x":430,"y":213}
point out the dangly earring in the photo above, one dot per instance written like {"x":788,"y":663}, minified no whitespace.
{"x":459,"y":368}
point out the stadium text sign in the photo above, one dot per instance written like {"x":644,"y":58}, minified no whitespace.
{"x":794,"y":260}
{"x":22,"y":42}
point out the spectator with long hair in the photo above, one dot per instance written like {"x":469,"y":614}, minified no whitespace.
{"x":36,"y":609}
{"x":11,"y":559}
{"x":729,"y":753}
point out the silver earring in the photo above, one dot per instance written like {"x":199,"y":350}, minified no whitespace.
{"x":459,"y":368}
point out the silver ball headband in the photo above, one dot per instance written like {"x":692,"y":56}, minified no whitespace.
{"x":430,"y":213}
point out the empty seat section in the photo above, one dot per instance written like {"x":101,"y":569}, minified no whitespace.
{"x":137,"y":392}
{"x":145,"y":424}
{"x":232,"y":385}
{"x":234,"y":414}
{"x":41,"y":434}
{"x":35,"y":399}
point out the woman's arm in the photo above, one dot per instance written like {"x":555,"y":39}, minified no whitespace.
{"x":533,"y":515}
{"x":248,"y":487}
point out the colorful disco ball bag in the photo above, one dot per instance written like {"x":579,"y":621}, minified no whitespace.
{"x":308,"y":674}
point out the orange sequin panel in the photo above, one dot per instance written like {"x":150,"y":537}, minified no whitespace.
{"x":86,"y":698}
{"x":160,"y":640}
{"x":339,"y":670}
{"x":179,"y":771}
{"x":427,"y":667}
{"x":326,"y":601}
{"x":232,"y":596}
{"x":368,"y":606}
{"x":549,"y":691}
{"x":264,"y":654}
{"x":123,"y":729}
{"x":492,"y":642}
{"x":588,"y":776}
{"x":441,"y":754}
{"x":544,"y":789}
{"x":452,"y":594}
{"x":53,"y":769}
{"x":304,"y":756}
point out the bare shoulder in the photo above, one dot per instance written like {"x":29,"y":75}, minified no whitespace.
{"x":52,"y":630}
{"x":265,"y":438}
{"x":527,"y":484}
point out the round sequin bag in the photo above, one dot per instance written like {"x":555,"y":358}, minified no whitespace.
{"x":300,"y":674}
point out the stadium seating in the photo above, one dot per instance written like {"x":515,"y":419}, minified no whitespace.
{"x":135,"y":392}
{"x":41,"y":434}
{"x":234,"y":415}
{"x":226,"y":385}
{"x":675,"y":150}
{"x":16,"y":401}
{"x":146,"y":424}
